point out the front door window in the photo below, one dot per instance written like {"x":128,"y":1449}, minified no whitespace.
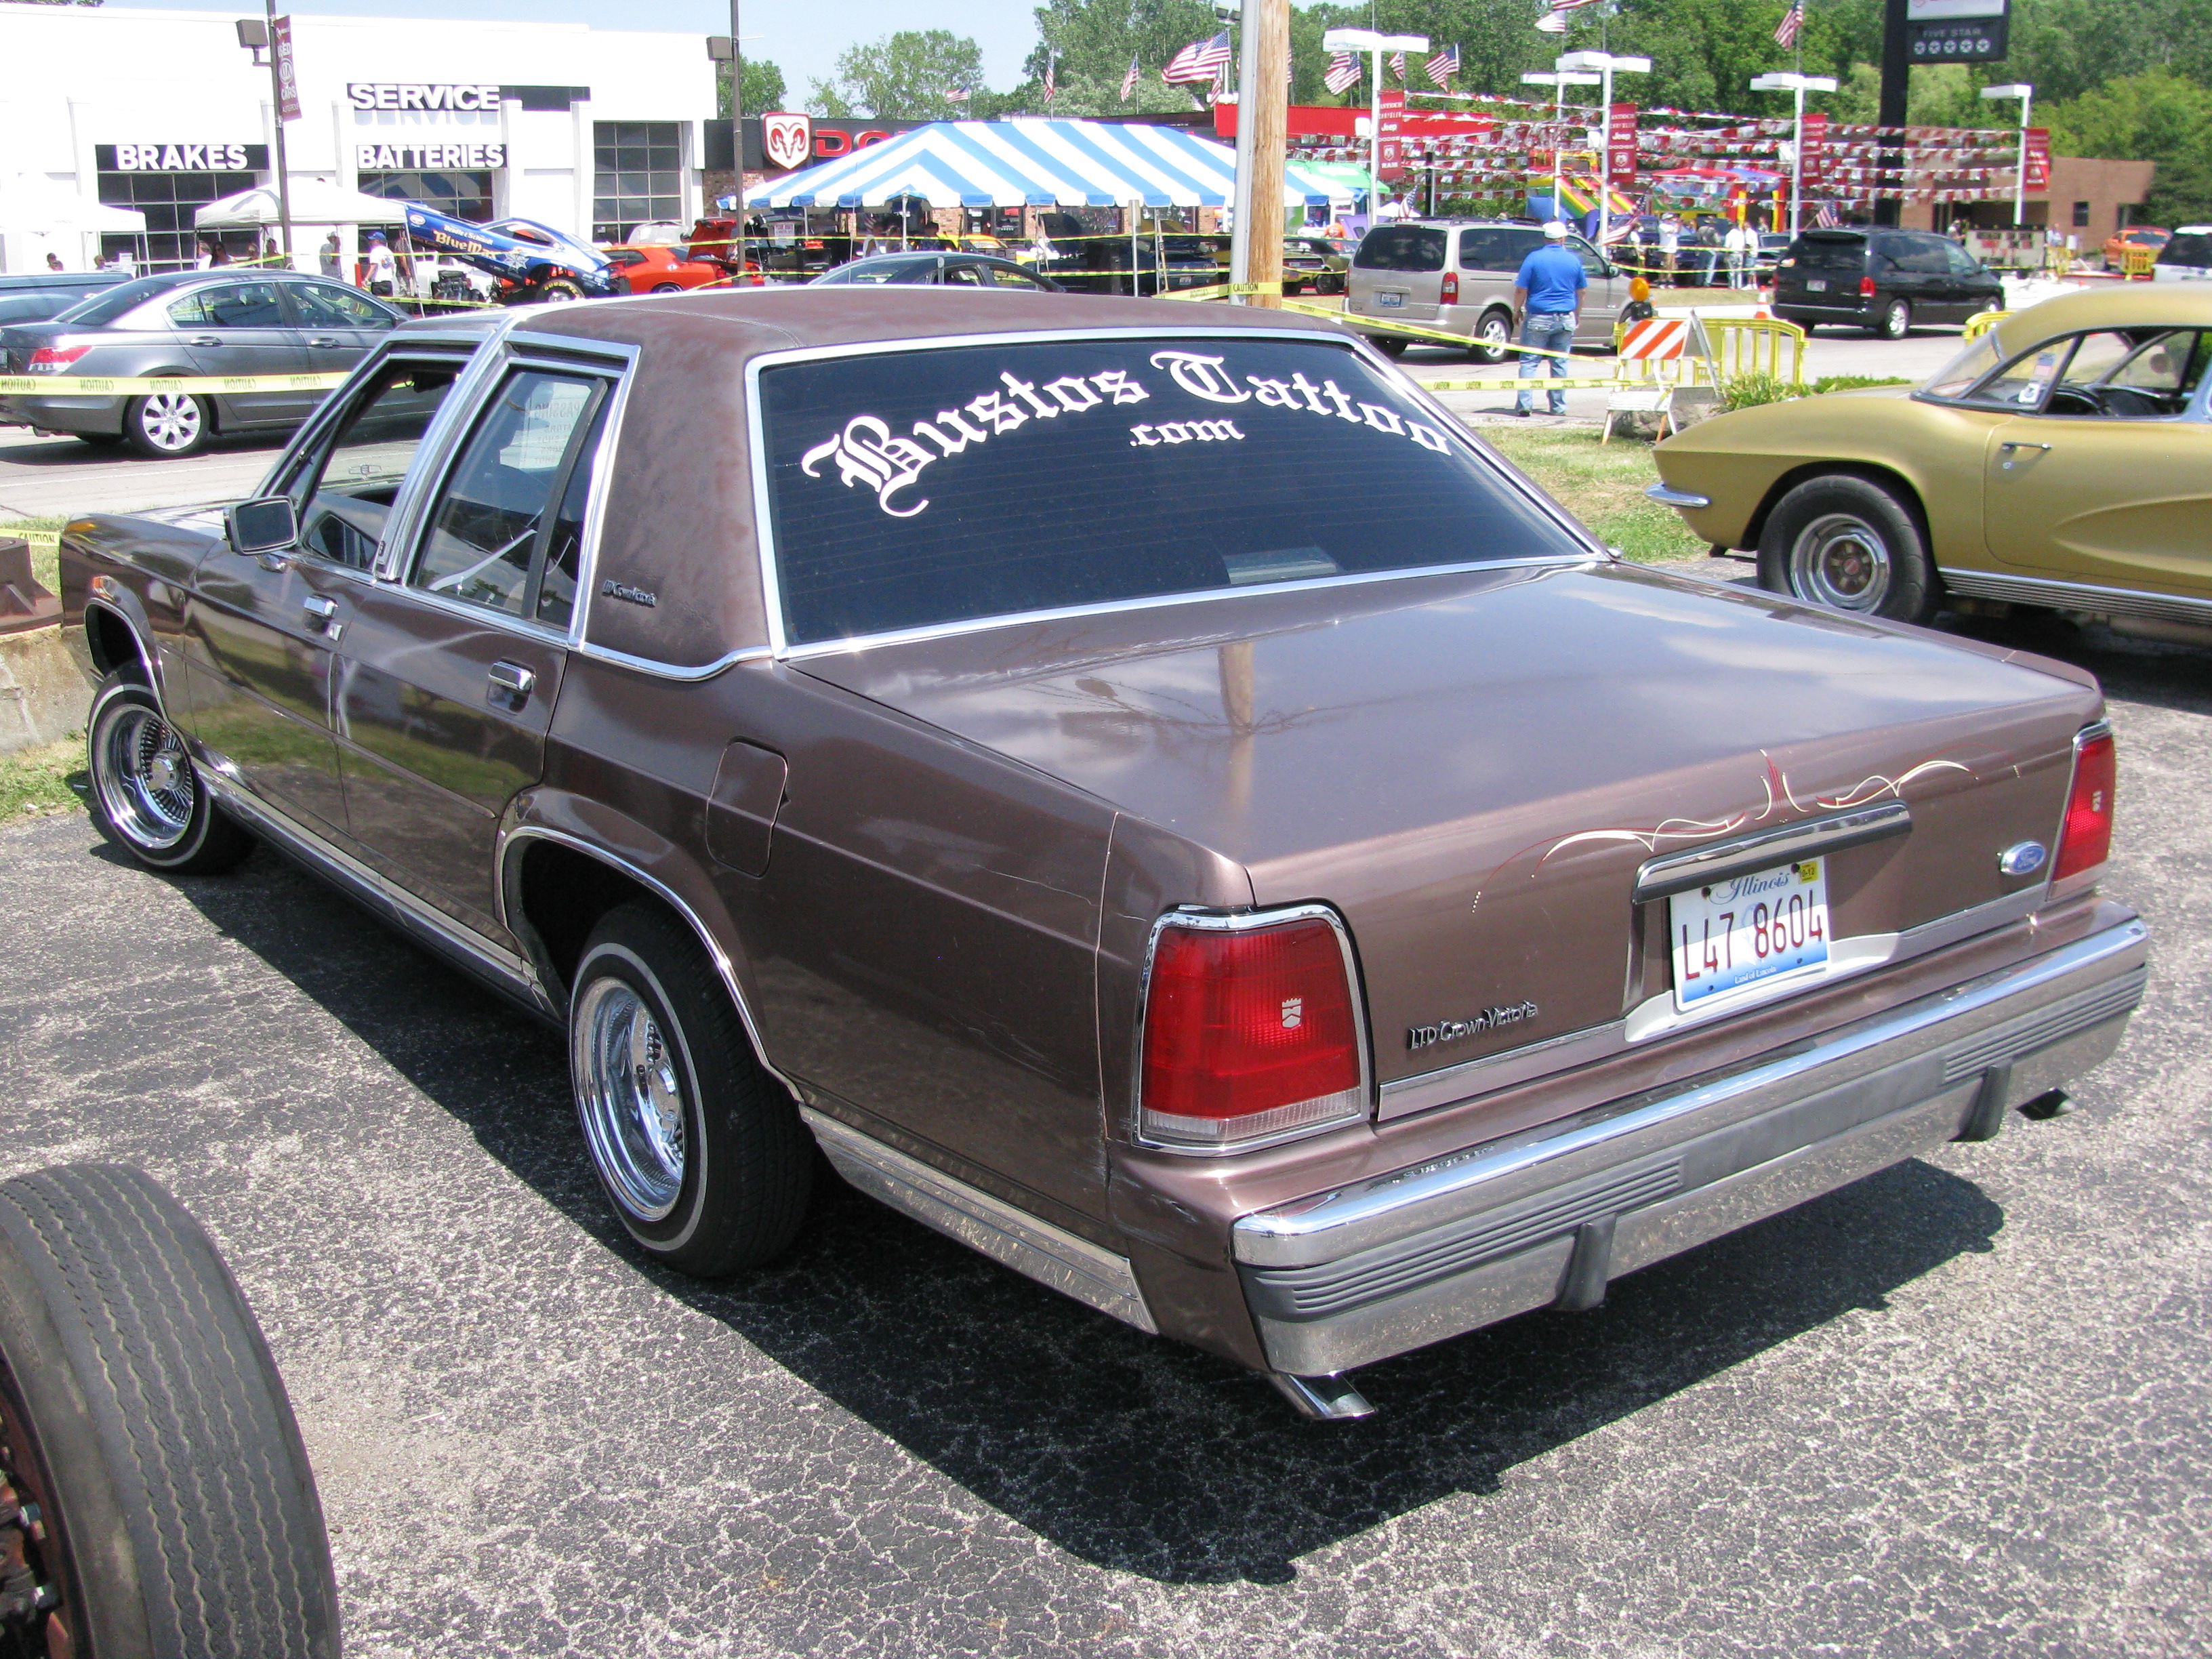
{"x":342,"y":489}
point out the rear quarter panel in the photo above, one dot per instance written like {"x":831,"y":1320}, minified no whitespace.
{"x":1745,"y":460}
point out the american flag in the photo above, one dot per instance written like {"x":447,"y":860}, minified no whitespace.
{"x":1202,"y":60}
{"x":1553,"y":22}
{"x":1827,"y":218}
{"x":956,"y":95}
{"x":1443,"y":66}
{"x":1343,"y":72}
{"x":1398,"y":65}
{"x":1786,"y":32}
{"x":1051,"y":78}
{"x":1129,"y":81}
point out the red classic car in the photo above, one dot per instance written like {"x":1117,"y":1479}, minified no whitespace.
{"x":654,"y":268}
{"x":985,"y":737}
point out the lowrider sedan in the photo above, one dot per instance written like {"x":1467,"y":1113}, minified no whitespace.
{"x":2059,"y":461}
{"x":978,"y":736}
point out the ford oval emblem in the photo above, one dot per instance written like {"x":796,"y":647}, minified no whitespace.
{"x":2023,"y":860}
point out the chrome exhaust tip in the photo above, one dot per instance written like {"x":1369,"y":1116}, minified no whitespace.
{"x":1322,"y":1399}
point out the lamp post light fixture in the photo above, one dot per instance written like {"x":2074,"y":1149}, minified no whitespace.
{"x":1558,"y":81}
{"x":2025,"y":94}
{"x":1375,"y":45}
{"x":1608,"y":64}
{"x":1790,"y":81}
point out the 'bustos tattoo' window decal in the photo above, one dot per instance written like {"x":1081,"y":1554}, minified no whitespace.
{"x":909,"y":489}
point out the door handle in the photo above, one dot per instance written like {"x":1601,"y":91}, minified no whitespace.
{"x":204,"y":340}
{"x":2006,"y":448}
{"x":320,"y":611}
{"x":511,"y":681}
{"x":2015,"y":443}
{"x":323,"y":340}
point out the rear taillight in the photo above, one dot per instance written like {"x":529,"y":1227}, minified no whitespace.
{"x":1866,"y":288}
{"x":2085,"y":840}
{"x":1448,"y":294}
{"x":52,"y":360}
{"x":1251,"y":1031}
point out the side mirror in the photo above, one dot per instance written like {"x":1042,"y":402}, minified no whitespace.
{"x":268,"y":526}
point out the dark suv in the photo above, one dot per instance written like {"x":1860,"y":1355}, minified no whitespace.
{"x":1885,"y":282}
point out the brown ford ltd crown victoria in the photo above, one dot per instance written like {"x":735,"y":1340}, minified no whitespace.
{"x":1140,"y":789}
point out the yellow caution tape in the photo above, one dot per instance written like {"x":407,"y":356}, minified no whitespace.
{"x":36,"y":537}
{"x":1215,"y":290}
{"x":109,"y":386}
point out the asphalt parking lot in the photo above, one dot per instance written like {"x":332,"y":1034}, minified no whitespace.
{"x":1957,"y":1408}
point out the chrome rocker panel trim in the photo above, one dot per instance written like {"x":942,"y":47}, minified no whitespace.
{"x":1546,"y":1217}
{"x":1053,"y":1257}
{"x":501,"y":969}
{"x":2053,"y":595}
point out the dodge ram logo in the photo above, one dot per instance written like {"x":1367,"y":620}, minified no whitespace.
{"x":788,"y":141}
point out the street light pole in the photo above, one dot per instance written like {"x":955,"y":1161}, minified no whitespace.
{"x":1375,"y":45}
{"x":1608,"y":64}
{"x":1799,"y":85}
{"x":276,"y":121}
{"x":2025,"y":94}
{"x":1558,"y":81}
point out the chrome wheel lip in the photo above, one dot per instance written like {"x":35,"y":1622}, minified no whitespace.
{"x":1842,"y":561}
{"x":145,"y":778}
{"x":631,"y":1097}
{"x":171,"y":420}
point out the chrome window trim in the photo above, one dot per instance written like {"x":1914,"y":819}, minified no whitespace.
{"x":2051,"y":594}
{"x":1456,"y":1086}
{"x":430,"y":458}
{"x":1677,"y":873}
{"x":669,"y":670}
{"x":326,"y":413}
{"x":595,"y":504}
{"x":1244,"y":922}
{"x":764,"y":524}
{"x":725,"y":969}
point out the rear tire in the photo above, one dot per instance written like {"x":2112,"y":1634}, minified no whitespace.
{"x":1894,"y":322}
{"x":1847,"y":544}
{"x":1391,"y":345}
{"x":700,"y":1151}
{"x":176,"y":1513}
{"x":1494,"y":337}
{"x":555,"y":290}
{"x":168,"y":425}
{"x":668,"y":288}
{"x":146,"y":797}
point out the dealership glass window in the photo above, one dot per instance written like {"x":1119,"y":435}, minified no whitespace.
{"x":458,"y":194}
{"x":638,"y":175}
{"x":168,"y":200}
{"x":2081,"y":214}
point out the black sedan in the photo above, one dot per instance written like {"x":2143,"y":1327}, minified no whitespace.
{"x":951,"y":269}
{"x":190,"y":323}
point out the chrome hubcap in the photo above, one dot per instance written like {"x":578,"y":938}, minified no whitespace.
{"x":1841,"y":560}
{"x":630,"y":1098}
{"x":171,"y":420}
{"x":145,"y":782}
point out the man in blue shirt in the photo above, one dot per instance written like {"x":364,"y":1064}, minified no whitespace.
{"x":1546,"y":296}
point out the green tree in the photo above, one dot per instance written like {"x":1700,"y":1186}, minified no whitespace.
{"x":2156,"y":116}
{"x":902,"y":78}
{"x":764,"y":88}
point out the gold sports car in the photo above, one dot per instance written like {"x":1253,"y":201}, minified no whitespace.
{"x":2063,"y":460}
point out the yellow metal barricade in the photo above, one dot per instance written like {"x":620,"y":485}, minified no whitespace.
{"x":2138,"y":261}
{"x":1981,"y":322}
{"x":1756,"y":346}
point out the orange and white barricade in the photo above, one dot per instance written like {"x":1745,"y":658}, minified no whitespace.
{"x":1658,"y":356}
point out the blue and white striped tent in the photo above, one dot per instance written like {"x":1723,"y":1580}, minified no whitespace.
{"x":1032,"y":163}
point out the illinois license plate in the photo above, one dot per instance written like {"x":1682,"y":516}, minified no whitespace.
{"x":1817,"y":285}
{"x":1384,"y":298}
{"x":1749,"y":937}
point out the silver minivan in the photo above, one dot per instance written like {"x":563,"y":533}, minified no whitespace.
{"x":1456,"y":275}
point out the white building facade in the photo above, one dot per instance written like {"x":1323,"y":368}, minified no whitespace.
{"x":588,"y":131}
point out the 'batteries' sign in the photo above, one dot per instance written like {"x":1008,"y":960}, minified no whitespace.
{"x":429,"y":158}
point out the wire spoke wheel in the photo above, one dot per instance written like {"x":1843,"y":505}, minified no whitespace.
{"x":630,"y":1092}
{"x":1841,"y":560}
{"x":145,"y":778}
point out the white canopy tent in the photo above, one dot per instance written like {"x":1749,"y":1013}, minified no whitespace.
{"x":315,"y":202}
{"x":40,"y":215}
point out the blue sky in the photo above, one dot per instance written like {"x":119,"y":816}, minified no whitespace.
{"x":802,"y":40}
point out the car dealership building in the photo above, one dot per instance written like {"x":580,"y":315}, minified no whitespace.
{"x":589,"y":131}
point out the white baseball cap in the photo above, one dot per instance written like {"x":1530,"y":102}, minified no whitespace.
{"x":1556,"y":229}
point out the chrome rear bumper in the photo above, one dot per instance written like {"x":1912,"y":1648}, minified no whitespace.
{"x":1546,"y":1217}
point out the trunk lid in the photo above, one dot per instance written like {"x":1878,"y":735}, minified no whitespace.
{"x":1473,"y":768}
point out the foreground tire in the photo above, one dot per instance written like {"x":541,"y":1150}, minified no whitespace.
{"x":1492,"y":336}
{"x":698,"y":1148}
{"x":1849,"y":544}
{"x":168,"y":425}
{"x":176,"y":1516}
{"x":146,"y":797}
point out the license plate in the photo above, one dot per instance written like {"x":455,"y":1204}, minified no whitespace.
{"x":1749,"y":937}
{"x":1817,"y":285}
{"x":1383,"y":298}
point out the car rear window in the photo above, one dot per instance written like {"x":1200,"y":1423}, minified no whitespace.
{"x":1846,"y":254}
{"x":2188,"y":247}
{"x":915,"y":269}
{"x":1401,"y":247}
{"x":104,"y":307}
{"x":920,"y":488}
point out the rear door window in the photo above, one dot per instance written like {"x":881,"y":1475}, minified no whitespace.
{"x":1402,"y":248}
{"x":1485,"y":249}
{"x":920,"y":488}
{"x":1832,"y":255}
{"x":229,"y":305}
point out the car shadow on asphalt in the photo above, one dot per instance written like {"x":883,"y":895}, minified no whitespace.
{"x":1130,"y":1452}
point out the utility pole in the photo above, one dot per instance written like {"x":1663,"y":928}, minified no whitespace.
{"x":279,"y":56}
{"x":1269,"y":116}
